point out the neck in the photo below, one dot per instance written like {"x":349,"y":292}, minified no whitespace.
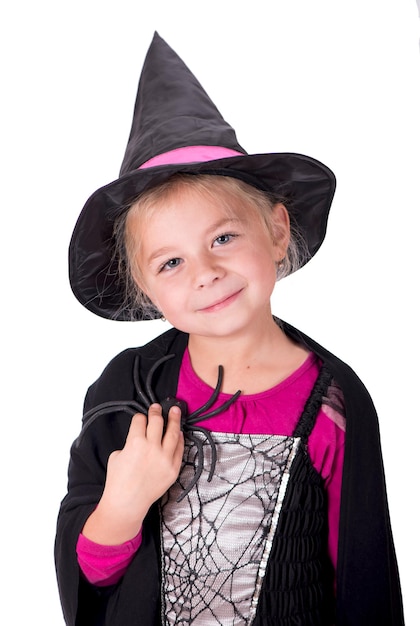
{"x":251,"y":362}
{"x":233,"y":348}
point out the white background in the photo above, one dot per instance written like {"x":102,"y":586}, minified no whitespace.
{"x":336,"y":80}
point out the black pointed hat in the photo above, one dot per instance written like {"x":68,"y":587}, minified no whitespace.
{"x":177,"y":129}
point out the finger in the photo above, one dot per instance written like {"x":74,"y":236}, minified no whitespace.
{"x":174,"y":418}
{"x":155,"y":423}
{"x":179,"y":450}
{"x":138,"y":426}
{"x":173,"y":432}
{"x":113,"y":455}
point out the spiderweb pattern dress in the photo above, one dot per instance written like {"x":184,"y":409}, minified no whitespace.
{"x":250,"y":545}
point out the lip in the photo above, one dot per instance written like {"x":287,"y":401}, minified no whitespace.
{"x":221,"y":304}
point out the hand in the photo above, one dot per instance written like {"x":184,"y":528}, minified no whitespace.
{"x":137,"y":476}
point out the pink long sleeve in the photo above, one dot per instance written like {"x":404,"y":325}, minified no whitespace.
{"x":105,"y":565}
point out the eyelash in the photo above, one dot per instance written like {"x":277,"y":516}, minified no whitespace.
{"x":229,"y":235}
{"x":166,"y":267}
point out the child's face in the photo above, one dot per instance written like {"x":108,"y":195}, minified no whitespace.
{"x":208,"y":271}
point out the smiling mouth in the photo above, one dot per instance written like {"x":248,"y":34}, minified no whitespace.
{"x":220,"y":304}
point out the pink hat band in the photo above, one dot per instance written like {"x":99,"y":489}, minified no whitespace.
{"x":190,"y":154}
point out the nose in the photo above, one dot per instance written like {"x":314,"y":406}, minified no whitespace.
{"x":206,"y":270}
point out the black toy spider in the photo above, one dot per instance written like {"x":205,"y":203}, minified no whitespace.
{"x":188,"y":422}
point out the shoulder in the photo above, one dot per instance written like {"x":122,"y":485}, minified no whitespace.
{"x":355,"y":396}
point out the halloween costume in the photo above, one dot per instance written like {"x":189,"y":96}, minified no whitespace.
{"x":177,"y":129}
{"x":367,"y":577}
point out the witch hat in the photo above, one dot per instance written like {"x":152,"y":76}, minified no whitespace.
{"x":177,"y":129}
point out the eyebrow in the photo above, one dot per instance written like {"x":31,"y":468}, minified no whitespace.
{"x":166,"y":250}
{"x":158,"y":253}
{"x":223,"y":222}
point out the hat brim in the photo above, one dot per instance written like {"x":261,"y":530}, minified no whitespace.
{"x":307,"y":183}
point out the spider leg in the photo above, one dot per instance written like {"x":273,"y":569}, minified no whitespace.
{"x":209,"y":438}
{"x":105,"y":408}
{"x":114,"y":405}
{"x":212,"y":398}
{"x":198,"y":469}
{"x":152,"y":370}
{"x":221,"y":408}
{"x":147,"y":397}
{"x":137,"y":385}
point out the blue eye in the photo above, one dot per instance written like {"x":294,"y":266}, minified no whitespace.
{"x":224,"y":239}
{"x":171,"y":264}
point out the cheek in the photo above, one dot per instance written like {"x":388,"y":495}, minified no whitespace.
{"x":265,"y":270}
{"x":263,"y":257}
{"x":165,"y":295}
{"x":144,"y":284}
{"x":150,"y":293}
{"x":140,"y":281}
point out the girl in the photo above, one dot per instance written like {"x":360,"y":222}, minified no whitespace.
{"x":229,"y":472}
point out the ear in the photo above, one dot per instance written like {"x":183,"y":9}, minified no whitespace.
{"x":281,"y":229}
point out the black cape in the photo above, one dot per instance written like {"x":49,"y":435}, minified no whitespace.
{"x":368,"y":589}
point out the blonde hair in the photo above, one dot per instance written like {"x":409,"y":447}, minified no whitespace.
{"x":224,"y":189}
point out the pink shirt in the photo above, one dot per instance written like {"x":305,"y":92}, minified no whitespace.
{"x":275,"y":411}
